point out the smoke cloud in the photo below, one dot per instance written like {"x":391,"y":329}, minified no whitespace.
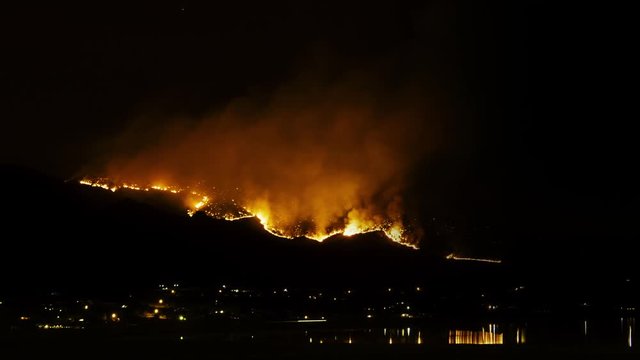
{"x":312,"y":158}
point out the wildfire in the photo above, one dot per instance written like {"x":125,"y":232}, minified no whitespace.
{"x":309,"y":157}
{"x":198,"y":200}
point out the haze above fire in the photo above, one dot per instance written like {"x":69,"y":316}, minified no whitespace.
{"x":312,"y":159}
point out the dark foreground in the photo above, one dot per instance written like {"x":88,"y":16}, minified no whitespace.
{"x":72,"y":348}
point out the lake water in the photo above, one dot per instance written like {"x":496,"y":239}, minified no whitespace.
{"x":619,"y":333}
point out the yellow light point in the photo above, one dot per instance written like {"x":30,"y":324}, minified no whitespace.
{"x":114,"y":316}
{"x":160,"y":301}
{"x":86,"y":307}
{"x":155,"y":311}
{"x":182,"y":318}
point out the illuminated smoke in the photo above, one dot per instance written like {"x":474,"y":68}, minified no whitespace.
{"x":309,"y":161}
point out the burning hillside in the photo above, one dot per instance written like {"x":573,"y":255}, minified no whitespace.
{"x":217,"y":206}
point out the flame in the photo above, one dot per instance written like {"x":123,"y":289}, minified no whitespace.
{"x":352,"y":228}
{"x":357,"y":222}
{"x":201,"y":203}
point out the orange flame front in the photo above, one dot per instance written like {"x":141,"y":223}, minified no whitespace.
{"x":199,"y":201}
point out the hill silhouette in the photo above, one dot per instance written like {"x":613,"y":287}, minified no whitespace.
{"x":60,"y":235}
{"x":65,"y":234}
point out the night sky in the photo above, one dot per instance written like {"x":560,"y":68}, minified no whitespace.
{"x":537,"y":140}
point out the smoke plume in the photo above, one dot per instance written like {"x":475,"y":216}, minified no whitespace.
{"x":313,"y":158}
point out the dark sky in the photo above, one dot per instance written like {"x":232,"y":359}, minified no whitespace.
{"x":542,"y":135}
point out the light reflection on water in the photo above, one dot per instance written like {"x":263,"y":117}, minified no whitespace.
{"x":491,"y":336}
{"x":631,"y":326}
{"x":521,"y":335}
{"x":485,"y":334}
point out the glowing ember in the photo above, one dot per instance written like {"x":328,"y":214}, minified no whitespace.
{"x":196,"y":200}
{"x":459,"y":258}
